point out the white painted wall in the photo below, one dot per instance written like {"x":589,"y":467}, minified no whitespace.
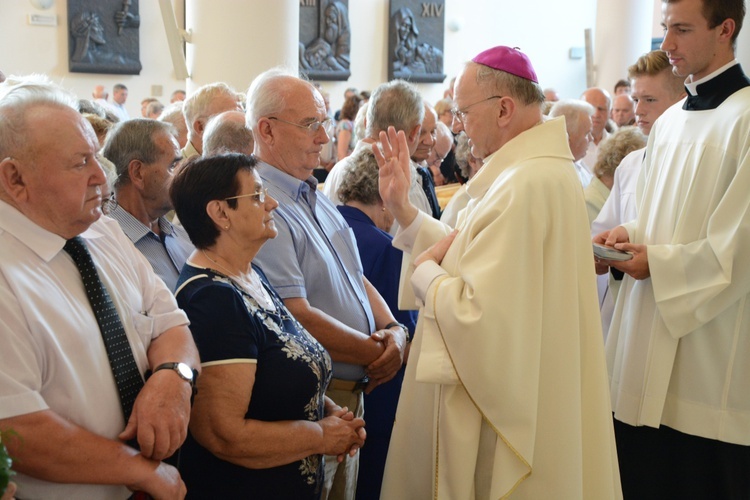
{"x":544,"y":29}
{"x":41,"y":49}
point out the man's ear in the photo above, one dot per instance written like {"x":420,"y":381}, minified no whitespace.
{"x":11,"y":179}
{"x":413,"y":134}
{"x":264,"y":133}
{"x":136,"y":173}
{"x":506,"y":108}
{"x":727,"y":30}
{"x":199,"y":126}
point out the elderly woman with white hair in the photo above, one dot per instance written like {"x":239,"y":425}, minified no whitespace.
{"x":611,"y":152}
{"x":364,"y":211}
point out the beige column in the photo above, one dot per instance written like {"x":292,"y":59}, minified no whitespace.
{"x":235,"y":40}
{"x":622,"y":34}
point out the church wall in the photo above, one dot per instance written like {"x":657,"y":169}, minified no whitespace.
{"x":544,"y":29}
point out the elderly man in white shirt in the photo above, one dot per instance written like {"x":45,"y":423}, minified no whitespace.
{"x":56,"y":391}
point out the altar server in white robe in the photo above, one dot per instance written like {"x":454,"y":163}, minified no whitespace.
{"x":678,"y":350}
{"x":506,"y":388}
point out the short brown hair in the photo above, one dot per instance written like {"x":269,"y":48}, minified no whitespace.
{"x":350,"y":107}
{"x":717,"y":11}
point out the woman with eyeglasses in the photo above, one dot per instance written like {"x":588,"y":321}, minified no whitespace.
{"x":260,"y":423}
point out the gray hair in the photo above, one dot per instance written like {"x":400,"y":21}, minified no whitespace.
{"x":133,"y":140}
{"x":573,"y":110}
{"x":359,"y":121}
{"x":360,"y":183}
{"x":502,"y":83}
{"x":226,"y":136}
{"x":263,"y":96}
{"x":396,"y":103}
{"x":17,"y":96}
{"x":463,"y":152}
{"x":616,"y":147}
{"x":173,"y":115}
{"x":198,"y":105}
{"x":154,"y":107}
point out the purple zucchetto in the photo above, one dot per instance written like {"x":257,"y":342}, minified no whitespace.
{"x":508,"y":59}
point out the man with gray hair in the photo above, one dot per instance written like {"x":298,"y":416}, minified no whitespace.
{"x":439,"y":153}
{"x":314,"y":263}
{"x":394,"y":104}
{"x":578,"y":125}
{"x":623,"y":110}
{"x":207,"y":101}
{"x":602,"y":103}
{"x":425,"y":145}
{"x":227,"y":132}
{"x":173,"y":115}
{"x":145,"y":154}
{"x":82,"y":319}
{"x":505,"y":392}
{"x":119,"y":96}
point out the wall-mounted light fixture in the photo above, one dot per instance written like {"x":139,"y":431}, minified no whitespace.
{"x":42,"y":4}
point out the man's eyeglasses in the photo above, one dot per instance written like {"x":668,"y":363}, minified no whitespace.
{"x":259,"y":195}
{"x":460,"y":114}
{"x":311,"y":127}
{"x":109,"y":204}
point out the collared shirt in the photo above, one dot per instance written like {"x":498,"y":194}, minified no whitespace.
{"x":592,"y":153}
{"x":692,"y":86}
{"x":167,"y":255}
{"x":583,"y":173}
{"x":120,"y":111}
{"x":712,"y":90}
{"x":189,"y":151}
{"x":52,"y":356}
{"x":315,"y":257}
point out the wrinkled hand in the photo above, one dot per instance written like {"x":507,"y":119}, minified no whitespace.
{"x":437,"y":251}
{"x":388,"y":364}
{"x":342,"y":433}
{"x":163,"y":483}
{"x":395,"y":174}
{"x":160,"y":415}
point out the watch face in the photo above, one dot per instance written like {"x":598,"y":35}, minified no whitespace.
{"x":185,"y":371}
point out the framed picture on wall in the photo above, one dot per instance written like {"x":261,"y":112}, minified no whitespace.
{"x":103,"y":37}
{"x":324,"y":39}
{"x":415,"y":40}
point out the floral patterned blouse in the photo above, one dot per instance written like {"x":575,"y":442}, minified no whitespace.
{"x":292,"y":374}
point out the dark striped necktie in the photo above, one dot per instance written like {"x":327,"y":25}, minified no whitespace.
{"x":127,"y":377}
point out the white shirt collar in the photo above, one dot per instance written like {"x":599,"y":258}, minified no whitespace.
{"x":693,"y":86}
{"x":41,"y":241}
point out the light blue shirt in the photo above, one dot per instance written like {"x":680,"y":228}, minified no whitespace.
{"x":166,"y":256}
{"x":315,"y":257}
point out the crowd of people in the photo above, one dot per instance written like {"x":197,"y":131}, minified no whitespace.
{"x":246,"y":295}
